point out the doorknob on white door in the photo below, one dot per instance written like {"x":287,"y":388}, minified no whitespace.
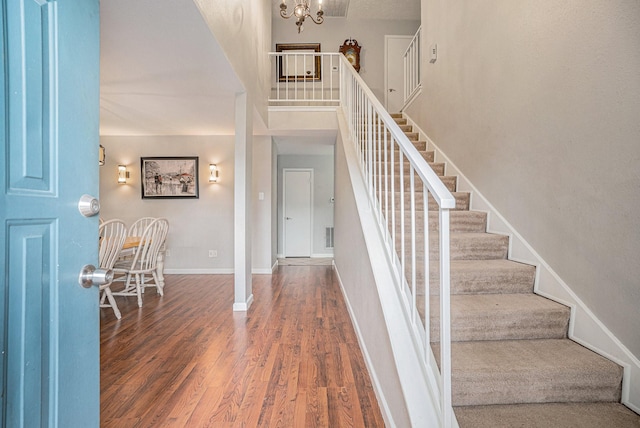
{"x":392,"y":90}
{"x":289,"y":218}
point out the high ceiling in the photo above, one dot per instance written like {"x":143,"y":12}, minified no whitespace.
{"x":163,"y":73}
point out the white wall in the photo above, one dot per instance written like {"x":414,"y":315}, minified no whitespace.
{"x":196,"y":225}
{"x":334,"y":31}
{"x":322,"y":166}
{"x":538,"y":103}
{"x":243,"y":29}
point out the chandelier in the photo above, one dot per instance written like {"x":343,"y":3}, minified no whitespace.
{"x":301,"y":11}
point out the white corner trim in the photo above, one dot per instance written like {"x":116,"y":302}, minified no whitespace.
{"x":377,"y":388}
{"x":243,"y":306}
{"x":584,"y":327}
{"x":274,"y":267}
{"x":262,"y":271}
{"x":219,"y":271}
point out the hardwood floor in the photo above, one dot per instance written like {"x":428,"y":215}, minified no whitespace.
{"x":187,"y":360}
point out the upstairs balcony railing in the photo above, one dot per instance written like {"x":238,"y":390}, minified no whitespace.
{"x":410,"y":202}
{"x":305,"y":79}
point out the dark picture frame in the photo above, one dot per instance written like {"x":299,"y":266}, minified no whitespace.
{"x":299,"y":68}
{"x":169,"y":177}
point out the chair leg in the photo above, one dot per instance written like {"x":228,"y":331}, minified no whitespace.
{"x":112,"y":302}
{"x":139,"y":290}
{"x":159,"y":284}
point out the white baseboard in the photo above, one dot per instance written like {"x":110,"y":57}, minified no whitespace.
{"x":584,"y":327}
{"x":220,"y":271}
{"x":243,"y":306}
{"x":313,"y":256}
{"x":321,"y":255}
{"x":377,"y":388}
{"x":262,"y":271}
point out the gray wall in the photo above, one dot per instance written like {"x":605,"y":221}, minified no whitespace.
{"x":538,"y":103}
{"x":196,"y":225}
{"x":334,"y":31}
{"x":322,"y":166}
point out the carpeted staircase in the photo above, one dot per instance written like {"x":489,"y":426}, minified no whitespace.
{"x":513,"y":365}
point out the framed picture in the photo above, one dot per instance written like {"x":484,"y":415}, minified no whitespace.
{"x":302,"y":65}
{"x":169,"y":177}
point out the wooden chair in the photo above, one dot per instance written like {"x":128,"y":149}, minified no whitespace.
{"x":112,"y":235}
{"x":143,"y":263}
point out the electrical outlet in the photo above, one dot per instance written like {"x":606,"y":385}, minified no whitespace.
{"x":213,"y":253}
{"x":167,"y":253}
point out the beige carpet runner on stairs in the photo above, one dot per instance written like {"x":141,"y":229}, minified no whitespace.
{"x":513,"y":365}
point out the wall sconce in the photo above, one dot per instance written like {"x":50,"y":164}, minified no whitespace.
{"x":213,"y":173}
{"x":123,"y":174}
{"x":102,"y":155}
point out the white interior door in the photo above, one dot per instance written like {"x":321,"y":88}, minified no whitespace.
{"x":297,"y":212}
{"x":394,"y":48}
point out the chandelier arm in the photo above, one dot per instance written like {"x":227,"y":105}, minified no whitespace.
{"x":283,"y":13}
{"x":319,"y":21}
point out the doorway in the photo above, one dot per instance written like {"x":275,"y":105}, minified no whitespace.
{"x":394,"y":49}
{"x":297,"y":212}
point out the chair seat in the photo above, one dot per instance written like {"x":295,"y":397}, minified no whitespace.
{"x":140,"y":272}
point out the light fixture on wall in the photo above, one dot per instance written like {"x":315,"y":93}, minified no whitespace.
{"x":213,"y":173}
{"x":102,"y":155}
{"x":301,"y":11}
{"x":123,"y":174}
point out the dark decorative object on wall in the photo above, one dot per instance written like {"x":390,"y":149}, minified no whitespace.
{"x":300,"y":65}
{"x":351,"y":50}
{"x":169,"y":177}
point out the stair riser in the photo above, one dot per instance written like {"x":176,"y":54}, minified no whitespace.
{"x":380,"y":145}
{"x":550,"y":324}
{"x":450,"y":182}
{"x":438,"y":168}
{"x":482,"y":282}
{"x":530,"y":371}
{"x":460,"y":221}
{"x":479,"y":247}
{"x":462,"y":201}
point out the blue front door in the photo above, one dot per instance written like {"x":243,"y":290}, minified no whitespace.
{"x":49,"y":82}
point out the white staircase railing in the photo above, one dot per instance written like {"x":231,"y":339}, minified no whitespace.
{"x":412,"y":82}
{"x":305,"y":79}
{"x":397,"y":177}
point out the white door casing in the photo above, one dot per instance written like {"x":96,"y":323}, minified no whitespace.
{"x":297,"y":212}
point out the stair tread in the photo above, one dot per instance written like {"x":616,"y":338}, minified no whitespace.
{"x":557,"y":415}
{"x":521,"y":371}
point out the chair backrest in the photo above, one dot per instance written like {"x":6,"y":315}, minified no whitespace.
{"x":138,"y":227}
{"x":151,"y":242}
{"x":112,"y":236}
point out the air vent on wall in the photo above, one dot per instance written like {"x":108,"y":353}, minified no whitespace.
{"x":328,"y":239}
